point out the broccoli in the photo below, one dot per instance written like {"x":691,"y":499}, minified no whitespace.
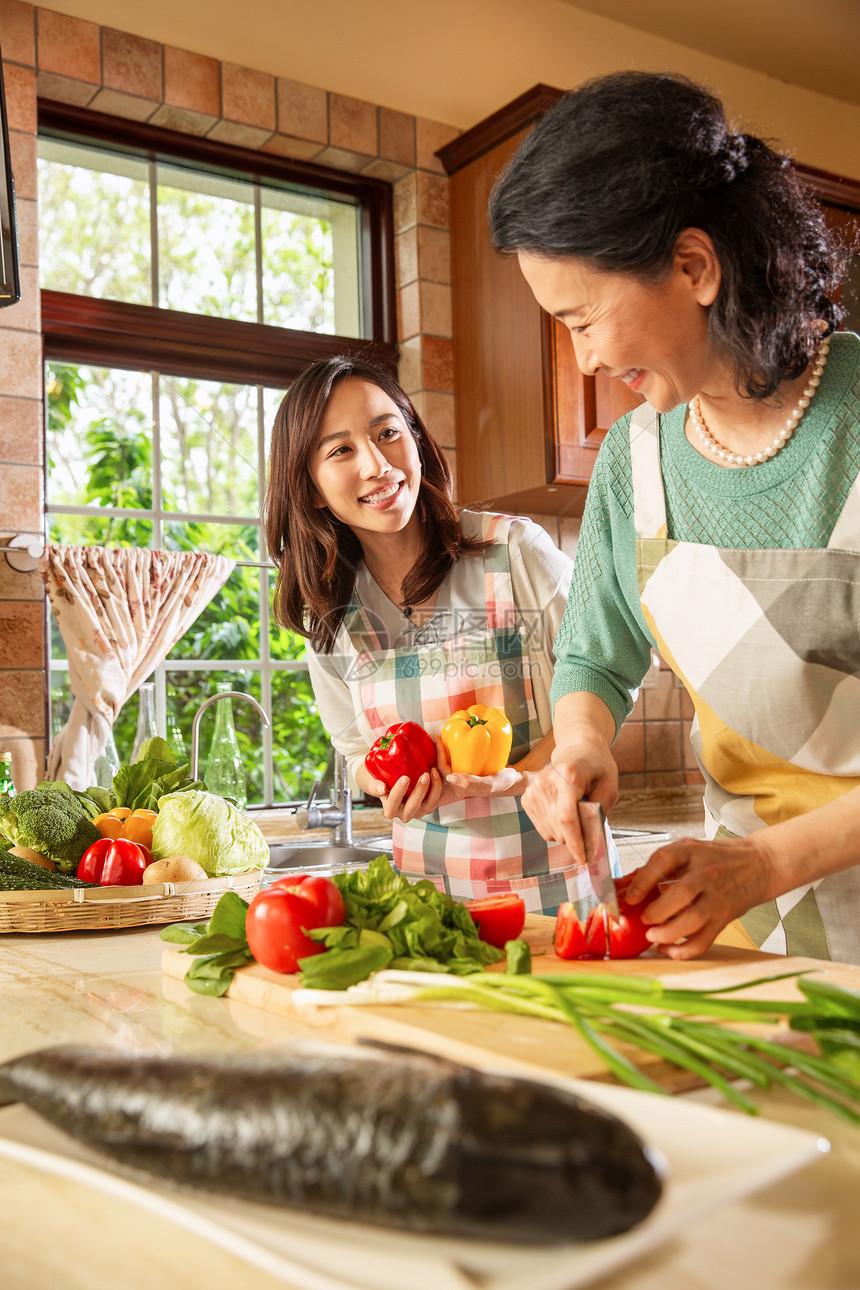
{"x":51,"y":820}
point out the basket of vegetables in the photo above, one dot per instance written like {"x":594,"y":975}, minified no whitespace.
{"x":154,"y":848}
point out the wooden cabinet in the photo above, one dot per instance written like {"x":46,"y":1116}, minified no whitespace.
{"x":529,"y":424}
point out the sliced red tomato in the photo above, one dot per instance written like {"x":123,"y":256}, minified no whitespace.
{"x":275,"y":926}
{"x":321,"y":892}
{"x":499,"y":918}
{"x":588,"y":940}
{"x":569,"y":937}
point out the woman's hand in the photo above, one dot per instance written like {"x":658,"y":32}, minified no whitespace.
{"x":504,"y":783}
{"x":581,"y":766}
{"x":696,"y":888}
{"x":397,"y":802}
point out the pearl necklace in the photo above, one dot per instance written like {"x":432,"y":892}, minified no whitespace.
{"x":737,"y":458}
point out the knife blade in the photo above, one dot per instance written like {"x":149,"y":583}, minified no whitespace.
{"x":599,"y":850}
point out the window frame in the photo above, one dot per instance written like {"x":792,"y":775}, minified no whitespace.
{"x":86,"y":329}
{"x":143,"y":338}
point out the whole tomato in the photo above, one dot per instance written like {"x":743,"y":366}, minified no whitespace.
{"x":321,"y":892}
{"x":274,"y":926}
{"x":499,"y":918}
{"x":626,"y":935}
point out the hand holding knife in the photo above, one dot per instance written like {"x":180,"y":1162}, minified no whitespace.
{"x":599,"y":852}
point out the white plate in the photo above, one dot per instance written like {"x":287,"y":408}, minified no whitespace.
{"x":713,"y":1157}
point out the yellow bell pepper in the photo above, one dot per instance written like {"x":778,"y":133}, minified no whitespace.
{"x":121,"y":822}
{"x":477,"y":740}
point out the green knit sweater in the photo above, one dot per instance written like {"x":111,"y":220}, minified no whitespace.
{"x":792,"y":501}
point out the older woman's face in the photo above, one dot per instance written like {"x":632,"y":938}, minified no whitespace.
{"x":654,"y":338}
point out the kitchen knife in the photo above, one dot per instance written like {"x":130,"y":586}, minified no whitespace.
{"x":599,"y":852}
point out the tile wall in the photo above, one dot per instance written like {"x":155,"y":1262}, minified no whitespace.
{"x":73,"y":61}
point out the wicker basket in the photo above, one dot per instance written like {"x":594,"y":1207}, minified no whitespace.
{"x":102,"y":908}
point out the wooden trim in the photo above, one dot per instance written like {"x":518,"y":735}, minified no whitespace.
{"x":373,"y":196}
{"x":836,"y":190}
{"x":522,"y":112}
{"x":110,"y":332}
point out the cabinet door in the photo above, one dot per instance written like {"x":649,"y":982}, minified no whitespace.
{"x":529,"y":423}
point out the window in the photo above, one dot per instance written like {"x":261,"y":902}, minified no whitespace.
{"x":183,"y":286}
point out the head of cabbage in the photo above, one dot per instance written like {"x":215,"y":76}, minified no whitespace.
{"x":210,"y":830}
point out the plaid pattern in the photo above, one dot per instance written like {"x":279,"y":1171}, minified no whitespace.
{"x":773,"y":624}
{"x":480,"y":846}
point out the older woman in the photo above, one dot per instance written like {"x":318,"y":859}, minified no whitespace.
{"x":723,"y":519}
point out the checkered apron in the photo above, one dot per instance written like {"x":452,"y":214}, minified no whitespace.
{"x":482,"y":845}
{"x":766,"y":644}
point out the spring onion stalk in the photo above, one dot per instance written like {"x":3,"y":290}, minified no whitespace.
{"x":684,"y":1027}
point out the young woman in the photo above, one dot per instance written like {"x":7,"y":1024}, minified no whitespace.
{"x":412,"y":611}
{"x":723,"y":516}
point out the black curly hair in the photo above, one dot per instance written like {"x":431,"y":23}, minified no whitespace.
{"x":618,"y":167}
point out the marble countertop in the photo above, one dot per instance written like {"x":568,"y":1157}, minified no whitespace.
{"x":799,"y":1233}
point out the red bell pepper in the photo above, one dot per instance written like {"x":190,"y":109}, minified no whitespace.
{"x":114,"y":862}
{"x":404,"y":749}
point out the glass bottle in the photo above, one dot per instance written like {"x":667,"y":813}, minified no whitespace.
{"x":175,"y":737}
{"x":224,"y":773}
{"x":7,"y":784}
{"x":145,"y":717}
{"x":107,"y":763}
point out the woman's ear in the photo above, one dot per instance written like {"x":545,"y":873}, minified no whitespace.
{"x":696,"y":258}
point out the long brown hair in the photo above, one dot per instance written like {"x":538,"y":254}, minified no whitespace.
{"x":316,"y":554}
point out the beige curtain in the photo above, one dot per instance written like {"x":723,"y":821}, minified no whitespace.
{"x":120,"y":610}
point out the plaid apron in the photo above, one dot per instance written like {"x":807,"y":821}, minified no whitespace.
{"x":766,"y":644}
{"x":483,"y":845}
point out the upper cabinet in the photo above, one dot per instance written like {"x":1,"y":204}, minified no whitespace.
{"x":529,"y":423}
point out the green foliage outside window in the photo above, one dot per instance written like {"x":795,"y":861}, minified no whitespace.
{"x":118,"y":453}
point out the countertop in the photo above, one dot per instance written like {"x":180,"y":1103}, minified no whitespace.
{"x":106,"y":987}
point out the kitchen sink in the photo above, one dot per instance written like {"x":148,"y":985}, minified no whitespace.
{"x":326,"y":857}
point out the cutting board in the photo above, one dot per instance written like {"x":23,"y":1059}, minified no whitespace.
{"x":493,"y":1040}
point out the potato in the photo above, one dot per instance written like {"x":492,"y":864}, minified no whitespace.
{"x":173,"y":869}
{"x":35,"y":857}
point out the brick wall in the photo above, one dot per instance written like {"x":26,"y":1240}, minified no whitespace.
{"x":78,"y":62}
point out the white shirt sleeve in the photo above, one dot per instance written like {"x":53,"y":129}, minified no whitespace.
{"x":348,"y":730}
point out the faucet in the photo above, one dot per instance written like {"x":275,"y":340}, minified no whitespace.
{"x":195,"y":725}
{"x":337,"y":817}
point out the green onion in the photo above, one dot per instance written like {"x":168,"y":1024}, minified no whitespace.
{"x":686,"y":1028}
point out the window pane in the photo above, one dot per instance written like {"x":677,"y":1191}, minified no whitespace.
{"x":209,"y":447}
{"x":302,"y":752}
{"x":272,"y":400}
{"x":283,"y":644}
{"x":99,"y":438}
{"x":310,"y":263}
{"x":81,"y":530}
{"x":94,"y":223}
{"x":187,"y":690}
{"x":237,"y":541}
{"x":229,"y":626}
{"x":207,"y":257}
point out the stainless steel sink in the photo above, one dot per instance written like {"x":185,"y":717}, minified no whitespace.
{"x":326,"y":857}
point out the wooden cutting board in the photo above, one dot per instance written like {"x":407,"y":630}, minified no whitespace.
{"x":491,"y":1039}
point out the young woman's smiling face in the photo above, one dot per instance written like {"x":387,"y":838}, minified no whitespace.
{"x":365,"y":463}
{"x":653,"y":337}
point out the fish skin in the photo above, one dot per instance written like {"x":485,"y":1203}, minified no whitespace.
{"x":409,"y":1141}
